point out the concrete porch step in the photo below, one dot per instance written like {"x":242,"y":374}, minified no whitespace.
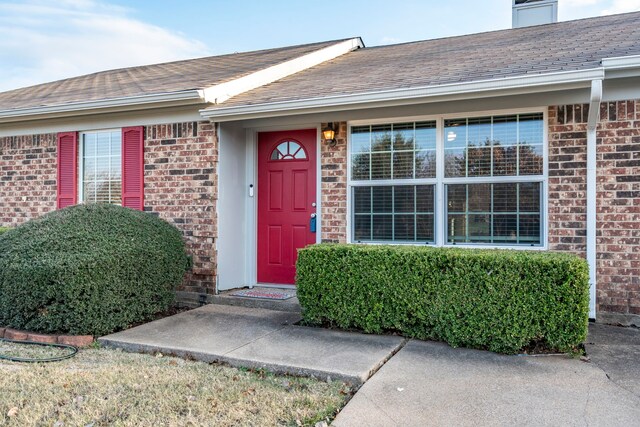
{"x":225,"y":298}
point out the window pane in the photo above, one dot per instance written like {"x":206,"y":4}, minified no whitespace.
{"x":424,"y":228}
{"x":362,"y":199}
{"x":360,"y":167}
{"x":531,"y":159}
{"x":404,"y":199}
{"x":360,"y":139}
{"x":455,"y":143}
{"x":425,"y":164}
{"x":382,"y":199}
{"x":392,"y":213}
{"x":479,"y":228}
{"x":362,"y":227}
{"x":457,"y":198}
{"x":530,"y":197}
{"x":457,"y":228}
{"x":479,"y":161}
{"x":404,"y":227}
{"x":501,"y":213}
{"x":89,"y":144}
{"x":505,"y":198}
{"x":381,"y":138}
{"x":425,"y":198}
{"x":479,"y":196}
{"x":529,"y":229}
{"x":381,"y":165}
{"x":426,"y":136}
{"x":505,"y":228}
{"x":403,"y":137}
{"x":382,"y":227}
{"x":403,"y":164}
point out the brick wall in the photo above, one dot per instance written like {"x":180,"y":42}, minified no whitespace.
{"x":618,"y":200}
{"x":181,"y":187}
{"x":27,"y":177}
{"x":333,"y":161}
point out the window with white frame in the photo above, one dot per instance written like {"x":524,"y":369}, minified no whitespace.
{"x":393,"y":170}
{"x":491,"y":185}
{"x":101,"y":167}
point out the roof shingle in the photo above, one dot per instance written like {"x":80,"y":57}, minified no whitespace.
{"x":564,"y":46}
{"x":152,"y":79}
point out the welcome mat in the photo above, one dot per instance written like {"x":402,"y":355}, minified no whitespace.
{"x":262,"y":294}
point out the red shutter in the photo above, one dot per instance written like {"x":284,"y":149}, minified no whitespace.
{"x":67,"y":169}
{"x":133,"y":167}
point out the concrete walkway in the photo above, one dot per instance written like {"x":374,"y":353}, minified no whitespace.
{"x":616,"y":351}
{"x":258,"y":338}
{"x":414,"y":383}
{"x":432,"y":384}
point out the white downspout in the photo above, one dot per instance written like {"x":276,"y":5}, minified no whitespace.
{"x":592,"y":124}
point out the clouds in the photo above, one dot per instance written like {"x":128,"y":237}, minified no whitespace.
{"x":621,"y":6}
{"x":48,"y":40}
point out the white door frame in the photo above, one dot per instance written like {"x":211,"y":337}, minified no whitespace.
{"x":251,"y":213}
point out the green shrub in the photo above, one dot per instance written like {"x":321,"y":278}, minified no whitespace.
{"x":89,"y":269}
{"x":4,"y":230}
{"x":491,"y":299}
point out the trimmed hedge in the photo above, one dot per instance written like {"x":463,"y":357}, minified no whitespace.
{"x":4,"y":230}
{"x":498,"y":300}
{"x":89,"y":270}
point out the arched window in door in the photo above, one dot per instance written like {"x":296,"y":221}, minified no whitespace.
{"x":288,"y":150}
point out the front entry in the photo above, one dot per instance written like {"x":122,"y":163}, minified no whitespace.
{"x":286,"y":202}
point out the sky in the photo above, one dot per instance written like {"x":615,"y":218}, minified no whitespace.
{"x":47,"y":40}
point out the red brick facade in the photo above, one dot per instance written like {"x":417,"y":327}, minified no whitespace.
{"x":181,"y":187}
{"x":27,"y":177}
{"x":180,"y":183}
{"x":334,"y":187}
{"x":618,"y":200}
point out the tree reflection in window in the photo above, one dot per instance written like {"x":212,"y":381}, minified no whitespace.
{"x":288,"y":150}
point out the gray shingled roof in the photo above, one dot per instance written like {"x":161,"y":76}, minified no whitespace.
{"x":564,"y":46}
{"x":152,"y":79}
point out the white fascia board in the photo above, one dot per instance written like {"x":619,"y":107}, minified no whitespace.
{"x":115,"y":104}
{"x":219,"y":93}
{"x":554,"y":81}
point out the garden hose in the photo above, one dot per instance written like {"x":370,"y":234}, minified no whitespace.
{"x":74,"y":351}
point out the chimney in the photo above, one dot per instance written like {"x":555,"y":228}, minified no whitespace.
{"x":534,"y":12}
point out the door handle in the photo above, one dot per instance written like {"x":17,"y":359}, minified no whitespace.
{"x":312,"y":223}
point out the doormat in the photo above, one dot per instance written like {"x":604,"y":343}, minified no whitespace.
{"x":255,"y":293}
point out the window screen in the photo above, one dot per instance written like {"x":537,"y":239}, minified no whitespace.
{"x":101,"y":167}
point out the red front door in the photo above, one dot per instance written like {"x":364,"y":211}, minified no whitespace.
{"x":286,"y":201}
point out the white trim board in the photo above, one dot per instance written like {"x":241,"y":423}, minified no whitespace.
{"x":510,"y":85}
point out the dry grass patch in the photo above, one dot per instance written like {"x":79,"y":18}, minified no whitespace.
{"x":102,"y":387}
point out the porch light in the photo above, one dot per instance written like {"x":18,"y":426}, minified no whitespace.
{"x":329,"y":135}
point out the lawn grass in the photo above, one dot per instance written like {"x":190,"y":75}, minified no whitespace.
{"x":101,"y":387}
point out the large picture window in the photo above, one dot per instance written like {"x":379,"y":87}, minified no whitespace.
{"x":101,"y":167}
{"x":491,"y":185}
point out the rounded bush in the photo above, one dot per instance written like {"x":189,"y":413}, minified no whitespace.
{"x":89,"y":269}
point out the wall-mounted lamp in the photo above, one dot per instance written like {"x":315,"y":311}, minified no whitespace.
{"x":329,"y":134}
